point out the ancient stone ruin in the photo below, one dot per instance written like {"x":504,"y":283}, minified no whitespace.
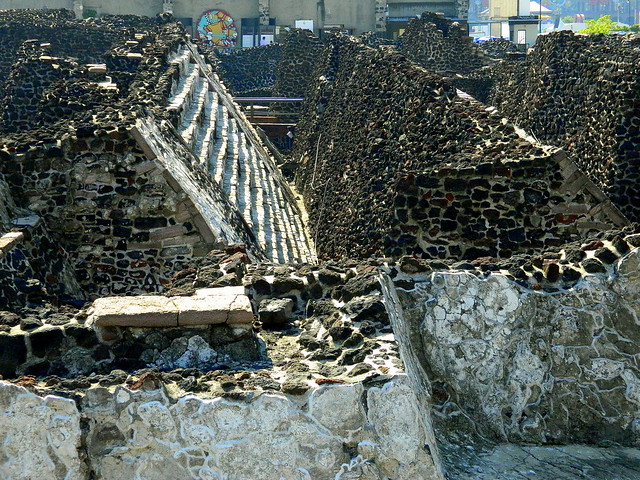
{"x":447,"y":290}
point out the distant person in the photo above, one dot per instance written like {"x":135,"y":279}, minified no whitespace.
{"x":288,"y":142}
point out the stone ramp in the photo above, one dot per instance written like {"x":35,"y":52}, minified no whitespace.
{"x":209,"y":306}
{"x":226,"y":145}
{"x":565,"y":462}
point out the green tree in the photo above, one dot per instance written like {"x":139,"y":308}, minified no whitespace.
{"x":603,"y":24}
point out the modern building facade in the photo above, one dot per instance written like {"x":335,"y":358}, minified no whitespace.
{"x":245,"y":23}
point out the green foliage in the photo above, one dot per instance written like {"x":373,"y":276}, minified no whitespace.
{"x":633,"y":28}
{"x":603,"y":24}
{"x":567,"y":19}
{"x":89,"y":12}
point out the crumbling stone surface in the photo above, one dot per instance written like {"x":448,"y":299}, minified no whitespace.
{"x":491,"y":210}
{"x":46,"y":448}
{"x":580,"y":93}
{"x":250,"y":70}
{"x":437,"y":43}
{"x":498,"y":47}
{"x":36,"y":269}
{"x":559,"y":372}
{"x":84,"y":41}
{"x":299,"y":53}
{"x":94,"y":183}
{"x":425,"y":170}
{"x":145,"y":425}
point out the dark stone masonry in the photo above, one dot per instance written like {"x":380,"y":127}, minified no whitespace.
{"x":250,"y":71}
{"x":580,"y":93}
{"x":453,"y":181}
{"x":440,"y":45}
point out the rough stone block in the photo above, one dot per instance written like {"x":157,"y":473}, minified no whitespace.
{"x":142,"y":311}
{"x":275,"y":311}
{"x":203,"y":310}
{"x":9,"y":240}
{"x":240,"y":311}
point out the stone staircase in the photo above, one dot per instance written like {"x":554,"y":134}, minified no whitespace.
{"x":226,"y":145}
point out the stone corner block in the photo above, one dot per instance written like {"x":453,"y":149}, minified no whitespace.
{"x":240,"y":310}
{"x":201,"y":310}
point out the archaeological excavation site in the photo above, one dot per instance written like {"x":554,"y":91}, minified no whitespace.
{"x":436,"y":276}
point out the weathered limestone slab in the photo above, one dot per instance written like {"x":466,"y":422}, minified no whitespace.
{"x":240,"y":311}
{"x":213,"y":309}
{"x":209,"y":306}
{"x":142,"y":311}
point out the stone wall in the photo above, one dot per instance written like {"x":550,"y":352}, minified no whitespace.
{"x":546,"y":361}
{"x":356,"y":147}
{"x":498,"y":47}
{"x":542,"y":366}
{"x":45,"y":85}
{"x":328,"y":388}
{"x":30,"y":79}
{"x":327,"y":433}
{"x":250,"y":70}
{"x":85,"y":41}
{"x":299,"y":52}
{"x":437,"y":43}
{"x":495,"y":210}
{"x":126,"y":227}
{"x":34,"y":268}
{"x":580,"y":93}
{"x":131,"y":208}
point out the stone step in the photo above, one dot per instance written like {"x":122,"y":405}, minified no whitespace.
{"x":181,"y":58}
{"x":251,"y":182}
{"x":207,"y":133}
{"x":231,"y":167}
{"x":183,"y":94}
{"x":219,"y":151}
{"x":192,"y":124}
{"x":210,"y":306}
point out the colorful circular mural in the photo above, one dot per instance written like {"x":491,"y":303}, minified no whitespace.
{"x":217,"y":27}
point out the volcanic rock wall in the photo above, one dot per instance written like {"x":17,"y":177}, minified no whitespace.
{"x":30,"y":78}
{"x":300,"y":51}
{"x":581,"y":93}
{"x":127,"y":227}
{"x":498,"y":47}
{"x":250,"y":70}
{"x":440,"y":45}
{"x":496,"y":210}
{"x":34,"y":268}
{"x":85,"y":41}
{"x":95,"y":138}
{"x":393,"y":160}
